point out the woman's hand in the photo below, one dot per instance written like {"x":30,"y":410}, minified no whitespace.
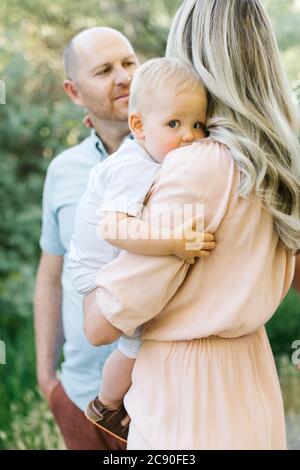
{"x":190,"y":244}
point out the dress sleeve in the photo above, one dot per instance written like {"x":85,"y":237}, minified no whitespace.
{"x":133,"y":289}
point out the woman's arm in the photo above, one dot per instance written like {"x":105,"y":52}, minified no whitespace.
{"x":142,"y":238}
{"x":98,"y":330}
{"x":133,"y":289}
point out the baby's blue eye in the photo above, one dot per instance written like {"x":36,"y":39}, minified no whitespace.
{"x":174,"y":124}
{"x":198,"y":125}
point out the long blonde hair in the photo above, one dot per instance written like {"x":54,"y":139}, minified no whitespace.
{"x":232,"y":47}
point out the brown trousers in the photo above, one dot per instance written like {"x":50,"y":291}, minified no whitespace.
{"x":77,"y":431}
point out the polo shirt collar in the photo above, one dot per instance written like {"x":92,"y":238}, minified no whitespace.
{"x":98,"y":144}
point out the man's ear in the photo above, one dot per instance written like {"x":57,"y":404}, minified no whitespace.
{"x":136,"y":126}
{"x":73,"y":93}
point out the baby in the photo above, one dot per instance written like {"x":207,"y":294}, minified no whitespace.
{"x":167,"y":110}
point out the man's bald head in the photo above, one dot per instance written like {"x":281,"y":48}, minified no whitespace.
{"x":100,"y":63}
{"x":75,"y":51}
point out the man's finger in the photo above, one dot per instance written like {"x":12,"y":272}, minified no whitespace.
{"x":87,"y":122}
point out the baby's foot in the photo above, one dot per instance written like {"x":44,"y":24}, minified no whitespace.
{"x":108,"y":420}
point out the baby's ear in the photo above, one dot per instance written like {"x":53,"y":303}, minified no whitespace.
{"x":136,"y":126}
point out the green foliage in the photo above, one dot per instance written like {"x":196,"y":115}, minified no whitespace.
{"x":289,"y":377}
{"x":30,"y":126}
{"x":284,"y":326}
{"x":25,"y":420}
{"x":285,"y":15}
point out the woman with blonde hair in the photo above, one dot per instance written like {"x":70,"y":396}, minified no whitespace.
{"x":205,"y":376}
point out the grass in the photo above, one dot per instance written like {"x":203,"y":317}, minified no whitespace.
{"x":25,"y":420}
{"x":33,"y":430}
{"x":289,"y":377}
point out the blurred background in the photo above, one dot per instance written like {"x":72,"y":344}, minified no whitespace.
{"x":36,"y":123}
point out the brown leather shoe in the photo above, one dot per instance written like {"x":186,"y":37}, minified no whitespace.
{"x":108,"y":420}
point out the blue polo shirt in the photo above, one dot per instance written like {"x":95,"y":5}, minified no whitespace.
{"x":65,"y":182}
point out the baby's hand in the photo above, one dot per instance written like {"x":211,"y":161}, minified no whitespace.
{"x":190,"y":244}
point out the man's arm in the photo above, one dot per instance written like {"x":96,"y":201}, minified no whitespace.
{"x":296,"y":281}
{"x":48,"y":320}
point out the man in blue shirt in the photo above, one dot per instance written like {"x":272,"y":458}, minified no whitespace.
{"x":99,"y":65}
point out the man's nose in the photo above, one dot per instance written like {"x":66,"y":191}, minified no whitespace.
{"x":122,"y":77}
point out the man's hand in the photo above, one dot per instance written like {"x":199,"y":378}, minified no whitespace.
{"x":47,"y":384}
{"x":88,"y":122}
{"x":189,"y":244}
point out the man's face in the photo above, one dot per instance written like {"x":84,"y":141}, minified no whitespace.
{"x":106,"y":65}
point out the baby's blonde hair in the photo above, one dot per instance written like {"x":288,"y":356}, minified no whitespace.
{"x":155,"y":74}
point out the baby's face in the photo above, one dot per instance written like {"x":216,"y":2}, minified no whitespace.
{"x":174,"y":120}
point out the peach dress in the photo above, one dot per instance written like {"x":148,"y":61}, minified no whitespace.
{"x":205,"y":376}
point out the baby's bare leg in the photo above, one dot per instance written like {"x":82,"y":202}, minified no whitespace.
{"x":116,"y":379}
